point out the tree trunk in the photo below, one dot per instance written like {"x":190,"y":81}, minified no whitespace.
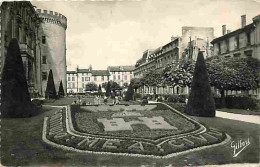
{"x":223,"y":101}
{"x":143,"y":92}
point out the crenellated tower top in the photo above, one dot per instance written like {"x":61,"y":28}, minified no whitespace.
{"x":52,"y":17}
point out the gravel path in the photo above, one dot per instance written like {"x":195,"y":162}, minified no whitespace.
{"x":239,"y":117}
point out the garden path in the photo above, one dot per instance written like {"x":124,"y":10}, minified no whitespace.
{"x":239,"y":117}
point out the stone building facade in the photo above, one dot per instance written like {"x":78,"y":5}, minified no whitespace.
{"x":121,"y":74}
{"x":19,"y":20}
{"x":42,"y":40}
{"x":77,"y":80}
{"x":192,"y":40}
{"x":242,"y":42}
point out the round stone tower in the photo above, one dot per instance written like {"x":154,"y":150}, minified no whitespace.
{"x":52,"y":36}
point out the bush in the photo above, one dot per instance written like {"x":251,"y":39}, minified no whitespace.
{"x":218,"y":102}
{"x":37,"y":102}
{"x":137,"y":95}
{"x":173,"y":99}
{"x":144,"y":101}
{"x":201,"y":101}
{"x":177,"y":98}
{"x":61,"y":90}
{"x":50,"y":89}
{"x":129,"y":93}
{"x":15,"y":97}
{"x":242,"y":102}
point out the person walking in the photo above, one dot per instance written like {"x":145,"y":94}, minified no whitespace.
{"x":105,"y":100}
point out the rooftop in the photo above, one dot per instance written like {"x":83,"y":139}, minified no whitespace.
{"x":84,"y":71}
{"x":100,"y":73}
{"x":120,"y":68}
{"x":233,"y":33}
{"x":71,"y":72}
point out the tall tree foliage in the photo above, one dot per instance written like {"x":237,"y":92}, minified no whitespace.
{"x":92,"y":86}
{"x":61,"y":92}
{"x":234,"y":73}
{"x":108,"y":89}
{"x":114,"y":86}
{"x":50,"y":89}
{"x":15,"y":97}
{"x":99,"y":90}
{"x":179,"y":73}
{"x":104,"y":85}
{"x":135,"y":83}
{"x":129,"y":93}
{"x":125,"y":85}
{"x":201,"y":102}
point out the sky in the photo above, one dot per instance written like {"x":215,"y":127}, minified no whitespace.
{"x":110,"y":33}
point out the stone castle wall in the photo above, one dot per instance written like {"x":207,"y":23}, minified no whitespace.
{"x":53,"y":27}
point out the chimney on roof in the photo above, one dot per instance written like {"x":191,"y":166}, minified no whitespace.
{"x":228,"y":31}
{"x":243,"y":21}
{"x":224,"y":30}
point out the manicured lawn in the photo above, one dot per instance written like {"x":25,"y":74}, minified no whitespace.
{"x":239,"y":111}
{"x":21,"y":144}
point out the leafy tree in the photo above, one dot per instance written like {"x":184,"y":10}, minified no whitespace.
{"x":233,"y":74}
{"x":115,"y":86}
{"x":125,"y":85}
{"x":15,"y":97}
{"x":50,"y":89}
{"x":201,"y":102}
{"x":99,"y":90}
{"x":61,"y":90}
{"x":135,"y":83}
{"x":129,"y":93}
{"x":108,"y":89}
{"x":153,"y":78}
{"x":179,"y":73}
{"x":92,"y":86}
{"x":104,"y":85}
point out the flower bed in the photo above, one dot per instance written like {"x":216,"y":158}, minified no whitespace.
{"x":58,"y":132}
{"x":87,"y":122}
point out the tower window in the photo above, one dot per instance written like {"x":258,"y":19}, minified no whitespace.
{"x":44,"y":75}
{"x":43,"y":39}
{"x":44,"y":60}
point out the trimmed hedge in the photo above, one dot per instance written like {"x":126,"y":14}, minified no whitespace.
{"x":144,"y":101}
{"x":241,"y":102}
{"x":137,"y":95}
{"x":177,"y":98}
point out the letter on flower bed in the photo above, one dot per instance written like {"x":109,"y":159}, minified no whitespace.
{"x":111,"y":144}
{"x":88,"y":141}
{"x":137,"y":146}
